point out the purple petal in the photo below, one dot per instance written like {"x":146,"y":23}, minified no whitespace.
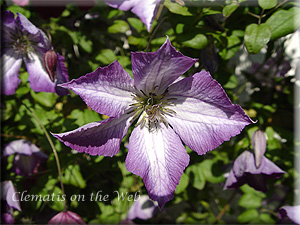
{"x":143,"y":209}
{"x":38,"y":77}
{"x":107,"y":90}
{"x":26,"y":25}
{"x":98,"y":138}
{"x":205,"y":117}
{"x":159,"y":158}
{"x":20,"y":147}
{"x":66,"y":218}
{"x":144,"y":9}
{"x":259,"y":144}
{"x":62,"y":75}
{"x":292,"y":212}
{"x":9,"y":193}
{"x":155,"y":71}
{"x":12,"y":62}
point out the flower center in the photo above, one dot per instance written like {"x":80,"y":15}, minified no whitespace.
{"x":152,"y":109}
{"x":21,"y":43}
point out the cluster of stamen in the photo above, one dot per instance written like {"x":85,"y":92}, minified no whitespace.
{"x":21,"y":43}
{"x":151,"y":109}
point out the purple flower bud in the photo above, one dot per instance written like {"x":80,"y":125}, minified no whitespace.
{"x":49,"y":61}
{"x":259,"y":144}
{"x":66,"y":218}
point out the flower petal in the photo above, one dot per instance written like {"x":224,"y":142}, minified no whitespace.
{"x":144,"y":9}
{"x":292,"y":212}
{"x":142,"y":209}
{"x":259,"y":144}
{"x":98,"y":138}
{"x":159,"y":158}
{"x":107,"y":90}
{"x":10,"y":67}
{"x":62,"y":75}
{"x":9,"y":193}
{"x":155,"y":71}
{"x":205,"y":117}
{"x":38,"y":77}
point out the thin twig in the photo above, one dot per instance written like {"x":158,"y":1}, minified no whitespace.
{"x":54,"y":151}
{"x":225,"y":207}
{"x":154,"y":32}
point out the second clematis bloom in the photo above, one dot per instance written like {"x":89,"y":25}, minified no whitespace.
{"x":22,"y":41}
{"x":166,"y":109}
{"x":253,"y":168}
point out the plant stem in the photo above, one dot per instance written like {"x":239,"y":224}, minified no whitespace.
{"x":225,"y":207}
{"x":154,"y":32}
{"x":54,"y":152}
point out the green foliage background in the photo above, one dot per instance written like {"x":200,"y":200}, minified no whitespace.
{"x":220,"y":34}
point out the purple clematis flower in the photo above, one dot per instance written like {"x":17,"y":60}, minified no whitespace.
{"x":144,"y":9}
{"x":167,"y":108}
{"x":292,"y":213}
{"x":27,"y":158}
{"x":24,"y":41}
{"x":11,"y":198}
{"x":253,"y":168}
{"x":66,"y":218}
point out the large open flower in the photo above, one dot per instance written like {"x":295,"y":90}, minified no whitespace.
{"x":24,"y":41}
{"x":167,"y":110}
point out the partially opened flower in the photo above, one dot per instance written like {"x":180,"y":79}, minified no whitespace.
{"x":24,"y":41}
{"x":253,"y":168}
{"x":144,"y":9}
{"x":167,"y":109}
{"x":66,"y":218}
{"x":291,"y":213}
{"x":11,"y":198}
{"x":27,"y":157}
{"x":143,"y":209}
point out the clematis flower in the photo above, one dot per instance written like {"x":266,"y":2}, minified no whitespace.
{"x":290,"y":213}
{"x":21,"y":2}
{"x":11,"y":198}
{"x":27,"y":157}
{"x":166,"y":109}
{"x":24,"y":41}
{"x":66,"y":218}
{"x":253,"y":168}
{"x":143,"y":209}
{"x":144,"y":9}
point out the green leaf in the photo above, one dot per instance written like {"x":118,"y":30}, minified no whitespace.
{"x":142,"y":42}
{"x":136,"y":24}
{"x":177,"y":9}
{"x":86,"y":45}
{"x":250,"y":201}
{"x":267,"y":4}
{"x":184,"y":182}
{"x":198,"y":42}
{"x":119,"y":26}
{"x":284,"y":22}
{"x":84,"y":117}
{"x":199,"y":179}
{"x":232,"y":82}
{"x":106,"y":56}
{"x":229,"y":9}
{"x":207,"y":167}
{"x":47,"y":99}
{"x":247,"y":216}
{"x":72,"y":176}
{"x":256,"y":37}
{"x":233,"y":45}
